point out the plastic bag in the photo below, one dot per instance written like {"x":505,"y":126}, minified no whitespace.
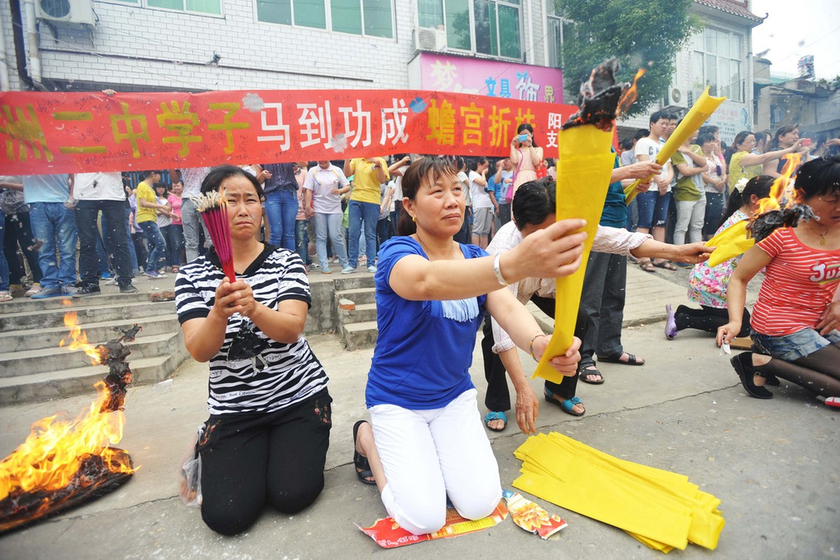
{"x":190,"y":472}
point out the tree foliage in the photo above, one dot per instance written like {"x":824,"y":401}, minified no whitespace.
{"x":640,"y":33}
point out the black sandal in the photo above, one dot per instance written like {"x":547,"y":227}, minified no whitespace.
{"x":632,"y":360}
{"x":361,"y":463}
{"x":745,"y":372}
{"x":583,"y":372}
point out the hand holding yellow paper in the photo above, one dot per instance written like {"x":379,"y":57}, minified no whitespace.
{"x":699,"y":113}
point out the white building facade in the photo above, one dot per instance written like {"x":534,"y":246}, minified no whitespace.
{"x":199,"y":45}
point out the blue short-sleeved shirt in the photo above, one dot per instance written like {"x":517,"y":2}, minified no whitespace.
{"x":46,"y":188}
{"x":424,"y":348}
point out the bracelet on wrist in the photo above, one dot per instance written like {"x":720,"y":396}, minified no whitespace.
{"x":531,"y":345}
{"x":498,"y":271}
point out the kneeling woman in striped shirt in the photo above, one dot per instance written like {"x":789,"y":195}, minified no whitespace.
{"x":267,"y":436}
{"x":795,"y":320}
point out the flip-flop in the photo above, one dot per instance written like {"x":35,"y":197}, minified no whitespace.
{"x":359,"y":460}
{"x":566,"y":405}
{"x":616,"y":359}
{"x":490,"y":416}
{"x":664,"y":264}
{"x":583,"y":372}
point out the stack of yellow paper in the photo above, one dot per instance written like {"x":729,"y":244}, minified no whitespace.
{"x":661,"y":509}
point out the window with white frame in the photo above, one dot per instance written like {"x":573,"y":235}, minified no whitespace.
{"x":716,"y":61}
{"x":559,"y":31}
{"x":359,"y":17}
{"x":205,"y":7}
{"x":490,"y":27}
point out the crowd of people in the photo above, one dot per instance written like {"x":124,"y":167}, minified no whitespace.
{"x":420,"y":226}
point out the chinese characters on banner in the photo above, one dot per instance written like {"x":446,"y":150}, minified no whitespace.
{"x":74,"y":132}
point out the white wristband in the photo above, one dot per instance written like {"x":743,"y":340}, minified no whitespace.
{"x":498,"y":271}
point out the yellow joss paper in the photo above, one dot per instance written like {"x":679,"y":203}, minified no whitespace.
{"x":661,"y":509}
{"x":584,"y":167}
{"x":693,"y":120}
{"x":729,"y":243}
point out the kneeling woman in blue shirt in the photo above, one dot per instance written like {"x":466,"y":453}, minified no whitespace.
{"x":426,"y":440}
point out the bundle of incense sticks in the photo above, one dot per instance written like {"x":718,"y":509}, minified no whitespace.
{"x":213,"y":208}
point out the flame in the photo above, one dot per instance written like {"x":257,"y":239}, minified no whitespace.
{"x":55,"y":448}
{"x":630,"y":95}
{"x":780,"y":185}
{"x":79,"y":339}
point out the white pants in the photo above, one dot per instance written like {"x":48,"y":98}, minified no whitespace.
{"x":690,"y":215}
{"x":429,"y":454}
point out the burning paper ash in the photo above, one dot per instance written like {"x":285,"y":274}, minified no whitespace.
{"x":601,"y":99}
{"x":63,"y":463}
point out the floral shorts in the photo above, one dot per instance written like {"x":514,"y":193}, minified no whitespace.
{"x":796,"y":345}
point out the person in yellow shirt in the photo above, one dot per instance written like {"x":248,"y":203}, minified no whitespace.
{"x":369,"y":174}
{"x":147,"y":206}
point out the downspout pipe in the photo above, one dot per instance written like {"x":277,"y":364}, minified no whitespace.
{"x":5,"y":84}
{"x":32,"y":37}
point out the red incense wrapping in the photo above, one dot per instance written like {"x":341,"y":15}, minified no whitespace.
{"x":213,"y":209}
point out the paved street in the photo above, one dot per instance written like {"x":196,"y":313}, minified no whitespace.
{"x":772,"y":463}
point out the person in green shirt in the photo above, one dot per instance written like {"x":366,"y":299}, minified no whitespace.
{"x":689,"y":193}
{"x":147,"y":207}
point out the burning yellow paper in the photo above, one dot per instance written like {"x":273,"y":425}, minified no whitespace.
{"x":583,"y":177}
{"x":699,"y":113}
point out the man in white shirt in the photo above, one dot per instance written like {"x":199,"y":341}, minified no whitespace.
{"x":653,"y":204}
{"x":190,"y":217}
{"x":102,"y":192}
{"x":534,"y":209}
{"x":325,"y":183}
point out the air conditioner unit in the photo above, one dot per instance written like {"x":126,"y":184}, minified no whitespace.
{"x":429,"y":39}
{"x":676,"y":97}
{"x":67,"y":11}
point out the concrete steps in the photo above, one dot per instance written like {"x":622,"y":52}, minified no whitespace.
{"x":33,"y":367}
{"x":357,"y":327}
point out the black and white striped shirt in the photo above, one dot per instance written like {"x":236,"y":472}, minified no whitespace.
{"x":281,"y":374}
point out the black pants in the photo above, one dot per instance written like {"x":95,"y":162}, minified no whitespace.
{"x":115,"y":239}
{"x":250,"y":459}
{"x":708,"y":319}
{"x":19,"y":232}
{"x":497,"y":397}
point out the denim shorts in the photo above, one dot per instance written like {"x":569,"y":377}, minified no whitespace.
{"x":653,"y":209}
{"x":796,"y":345}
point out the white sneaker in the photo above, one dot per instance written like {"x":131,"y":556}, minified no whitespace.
{"x":348,"y":270}
{"x":372,"y":269}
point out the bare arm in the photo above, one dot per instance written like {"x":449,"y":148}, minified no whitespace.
{"x":766,"y":158}
{"x":736,"y":291}
{"x":348,"y":170}
{"x":527,"y":403}
{"x":524,"y":330}
{"x":536,"y":155}
{"x":547,"y":253}
{"x":687,"y":171}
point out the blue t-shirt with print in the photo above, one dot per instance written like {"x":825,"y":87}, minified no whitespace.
{"x":424,"y":349}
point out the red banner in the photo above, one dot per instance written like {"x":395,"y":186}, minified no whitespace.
{"x":75,"y":132}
